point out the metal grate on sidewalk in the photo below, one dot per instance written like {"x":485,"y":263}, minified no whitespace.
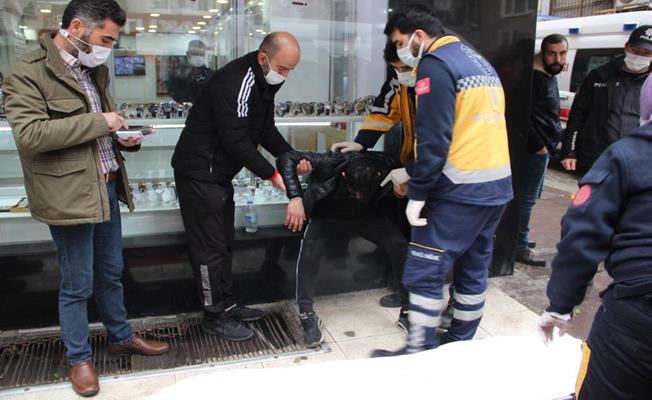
{"x":36,"y":358}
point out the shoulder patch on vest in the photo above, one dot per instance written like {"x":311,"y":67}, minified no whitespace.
{"x":582,"y":196}
{"x":423,"y":86}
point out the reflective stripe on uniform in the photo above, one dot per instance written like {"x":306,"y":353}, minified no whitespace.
{"x":584,"y":366}
{"x":421,"y":319}
{"x":425,"y":302}
{"x":470,"y":299}
{"x":464,"y":315}
{"x":372,"y":124}
{"x":479,"y":176}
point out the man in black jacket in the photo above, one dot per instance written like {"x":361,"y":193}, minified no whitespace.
{"x":344,"y":197}
{"x":543,"y":135}
{"x":606,"y":106}
{"x":232,"y":114}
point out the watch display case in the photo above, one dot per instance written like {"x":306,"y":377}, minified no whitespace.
{"x":156,"y":217}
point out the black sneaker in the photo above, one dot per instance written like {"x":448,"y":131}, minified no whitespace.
{"x":444,"y":338}
{"x":391,"y":300}
{"x":312,"y":325}
{"x":243,"y":314}
{"x":388,"y":353}
{"x":228,"y":328}
{"x":531,"y":245}
{"x":403,"y":323}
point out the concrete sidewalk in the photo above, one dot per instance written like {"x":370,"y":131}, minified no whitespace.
{"x":528,"y":284}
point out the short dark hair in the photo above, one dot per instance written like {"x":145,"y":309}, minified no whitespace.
{"x":554,"y":38}
{"x":362,"y":177}
{"x":270,"y":45}
{"x":415,"y":17}
{"x":389,"y":53}
{"x":93,"y":12}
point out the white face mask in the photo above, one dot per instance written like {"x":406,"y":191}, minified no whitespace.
{"x":636,"y":63}
{"x":197,"y":60}
{"x":407,"y":78}
{"x":97,"y":56}
{"x":405,"y":53}
{"x":273,"y":77}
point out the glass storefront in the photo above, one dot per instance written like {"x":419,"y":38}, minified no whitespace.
{"x":169,"y":47}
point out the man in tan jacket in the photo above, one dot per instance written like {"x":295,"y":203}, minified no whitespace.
{"x":64,"y":125}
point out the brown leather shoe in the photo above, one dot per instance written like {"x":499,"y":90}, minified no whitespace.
{"x":83,"y":378}
{"x":139,"y":345}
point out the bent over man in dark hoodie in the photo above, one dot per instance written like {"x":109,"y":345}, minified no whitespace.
{"x":344,"y":197}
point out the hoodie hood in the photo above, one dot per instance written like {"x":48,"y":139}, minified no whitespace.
{"x":538,"y":64}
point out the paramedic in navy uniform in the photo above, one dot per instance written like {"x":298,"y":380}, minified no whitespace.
{"x":610,"y":220}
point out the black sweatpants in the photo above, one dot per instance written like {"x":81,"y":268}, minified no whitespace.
{"x":378,"y":230}
{"x":208,"y":211}
{"x":617,"y":362}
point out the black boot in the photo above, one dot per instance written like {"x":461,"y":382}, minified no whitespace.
{"x":243,"y":314}
{"x":388,"y":353}
{"x":226,"y":327}
{"x":311,"y":324}
{"x":393,"y":300}
{"x":527,"y":257}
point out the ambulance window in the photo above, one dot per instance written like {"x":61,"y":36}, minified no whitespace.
{"x":589,"y":59}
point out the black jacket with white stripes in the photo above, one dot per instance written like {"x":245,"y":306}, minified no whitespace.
{"x":232,"y":114}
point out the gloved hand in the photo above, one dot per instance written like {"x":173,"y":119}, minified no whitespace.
{"x":413,"y":213}
{"x":547,"y":323}
{"x":345,"y":147}
{"x":398,"y":177}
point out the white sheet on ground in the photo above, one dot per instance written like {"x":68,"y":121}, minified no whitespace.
{"x":513,"y":367}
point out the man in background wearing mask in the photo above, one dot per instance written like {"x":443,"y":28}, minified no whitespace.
{"x":460,"y":180}
{"x":606,"y":107}
{"x":186,"y":80}
{"x":64,"y":125}
{"x":233,"y":114}
{"x":394,"y":104}
{"x":610,"y":220}
{"x":543,"y":135}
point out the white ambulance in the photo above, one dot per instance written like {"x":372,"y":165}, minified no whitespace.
{"x":592,"y":42}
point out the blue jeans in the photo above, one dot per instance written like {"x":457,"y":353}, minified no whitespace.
{"x":535,"y":171}
{"x":90,"y":260}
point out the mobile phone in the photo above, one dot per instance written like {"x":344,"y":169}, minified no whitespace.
{"x":135,"y":132}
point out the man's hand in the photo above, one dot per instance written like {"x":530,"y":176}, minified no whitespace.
{"x":547,"y":323}
{"x":277,"y":182}
{"x":569,"y":164}
{"x":131,"y":142}
{"x":543,"y":151}
{"x":115,"y":121}
{"x":304,"y":168}
{"x":345,"y":147}
{"x":296,"y":215}
{"x":413,"y":213}
{"x":401,"y":190}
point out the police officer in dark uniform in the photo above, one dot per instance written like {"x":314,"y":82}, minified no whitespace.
{"x":610,"y":219}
